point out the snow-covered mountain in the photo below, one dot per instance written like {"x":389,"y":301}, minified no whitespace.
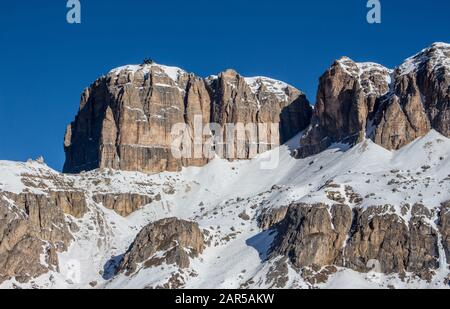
{"x":357,"y":200}
{"x":126,"y":117}
{"x":392,"y":107}
{"x":228,"y":201}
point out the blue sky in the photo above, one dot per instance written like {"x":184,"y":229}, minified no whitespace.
{"x":46,"y":63}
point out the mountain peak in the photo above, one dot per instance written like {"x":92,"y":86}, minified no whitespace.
{"x":373,"y":77}
{"x":277,"y":87}
{"x":440,"y":45}
{"x":436,"y":55}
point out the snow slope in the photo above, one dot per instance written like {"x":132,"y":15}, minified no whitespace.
{"x":216,"y":194}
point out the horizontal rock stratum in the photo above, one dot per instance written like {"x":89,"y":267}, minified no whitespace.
{"x":126,"y":118}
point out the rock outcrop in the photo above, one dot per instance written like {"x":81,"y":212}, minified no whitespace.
{"x":33,"y":230}
{"x":444,"y":226}
{"x":170,"y":241}
{"x":124,"y":204}
{"x":397,"y":245}
{"x":346,"y":97}
{"x":71,"y":202}
{"x":318,"y":236}
{"x":271,"y":217}
{"x":419,"y":100}
{"x":126,"y":118}
{"x":258,"y":100}
{"x":365,"y":100}
{"x":307,"y":235}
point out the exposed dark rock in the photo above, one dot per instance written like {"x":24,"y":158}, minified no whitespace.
{"x":315,"y":276}
{"x":71,"y":203}
{"x":398,"y":247}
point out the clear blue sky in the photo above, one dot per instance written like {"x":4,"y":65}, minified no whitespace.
{"x":46,"y":63}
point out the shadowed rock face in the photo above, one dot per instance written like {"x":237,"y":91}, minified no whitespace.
{"x":170,"y":241}
{"x":260,"y":100}
{"x":318,"y":236}
{"x":365,"y":100}
{"x":126,"y":117}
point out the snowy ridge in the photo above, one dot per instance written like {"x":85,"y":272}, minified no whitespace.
{"x":172,"y":72}
{"x":12,"y":173}
{"x":276,"y":87}
{"x":365,"y":72}
{"x":258,"y":84}
{"x":437,"y":55}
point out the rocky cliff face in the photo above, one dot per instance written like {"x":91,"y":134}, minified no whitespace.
{"x":347,"y":95}
{"x":123,"y":204}
{"x":33,"y":230}
{"x":419,"y":101}
{"x":319,"y":236}
{"x":444,"y":224}
{"x":287,"y":227}
{"x":169,"y":241}
{"x":126,"y":117}
{"x":308,"y":238}
{"x":258,"y":100}
{"x":359,"y":100}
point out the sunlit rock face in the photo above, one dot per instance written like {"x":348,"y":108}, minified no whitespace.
{"x":393,"y":108}
{"x":126,"y":118}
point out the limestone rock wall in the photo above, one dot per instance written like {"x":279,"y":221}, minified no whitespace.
{"x":318,"y":236}
{"x":33,"y":230}
{"x":126,"y":117}
{"x":393,"y":108}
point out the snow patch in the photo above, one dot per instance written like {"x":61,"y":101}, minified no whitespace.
{"x":172,"y":72}
{"x":437,"y":55}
